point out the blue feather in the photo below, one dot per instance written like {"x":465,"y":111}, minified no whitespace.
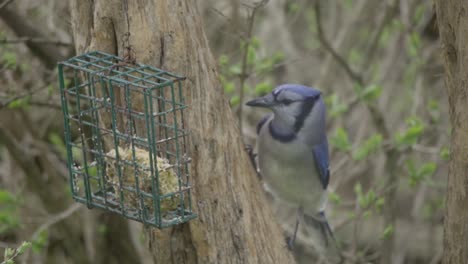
{"x":262,"y":122}
{"x":320,"y":153}
{"x":299,"y":89}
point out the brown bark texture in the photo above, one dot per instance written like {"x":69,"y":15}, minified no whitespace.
{"x":234,"y":223}
{"x":452,"y":19}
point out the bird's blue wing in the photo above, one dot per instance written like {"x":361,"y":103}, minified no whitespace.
{"x":320,"y":152}
{"x":262,"y":122}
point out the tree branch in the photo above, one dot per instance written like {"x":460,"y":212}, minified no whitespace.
{"x":5,"y":3}
{"x":19,"y":97}
{"x":56,"y":218}
{"x":46,"y":52}
{"x":327,"y":45}
{"x":35,"y":40}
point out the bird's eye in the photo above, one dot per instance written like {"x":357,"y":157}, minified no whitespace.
{"x":287,"y":101}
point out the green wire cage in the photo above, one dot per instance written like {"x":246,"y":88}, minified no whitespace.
{"x":127,"y":144}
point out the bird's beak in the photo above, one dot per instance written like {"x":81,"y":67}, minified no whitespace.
{"x":264,"y":101}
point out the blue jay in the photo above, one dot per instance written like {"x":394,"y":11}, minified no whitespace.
{"x":293,"y":153}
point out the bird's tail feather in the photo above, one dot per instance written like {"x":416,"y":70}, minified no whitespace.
{"x":328,"y":245}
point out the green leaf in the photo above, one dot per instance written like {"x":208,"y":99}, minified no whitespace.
{"x":369,"y":199}
{"x":293,"y":7}
{"x":444,"y":153}
{"x":24,"y":246}
{"x":102,"y":229}
{"x":351,"y":215}
{"x":349,"y":3}
{"x":58,"y":142}
{"x":367,"y":214}
{"x":255,"y":42}
{"x":264,"y":66}
{"x":263,"y":88}
{"x":398,"y":24}
{"x":247,"y":88}
{"x":6,"y":197}
{"x":251,"y":55}
{"x":388,"y":231}
{"x":229,"y":87}
{"x":385,"y":36}
{"x":67,"y":82}
{"x":419,"y":13}
{"x":24,"y":67}
{"x":414,"y":44}
{"x":92,"y":171}
{"x":379,"y":203}
{"x":434,"y":110}
{"x":223,"y":60}
{"x":9,"y":59}
{"x":427,"y":169}
{"x":371,"y":92}
{"x":340,"y":140}
{"x":50,"y":89}
{"x":277,"y":57}
{"x":411,"y":135}
{"x":433,"y":105}
{"x":20,"y":103}
{"x":366,"y":200}
{"x":368,"y":147}
{"x":335,"y":107}
{"x":8,"y":253}
{"x":334,"y":197}
{"x":235,"y":69}
{"x":417,"y":175}
{"x":235,"y":100}
{"x":354,"y":56}
{"x":77,"y":154}
{"x":40,"y":242}
{"x":358,"y":89}
{"x":358,"y":189}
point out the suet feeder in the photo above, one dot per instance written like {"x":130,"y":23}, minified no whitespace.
{"x":126,"y":139}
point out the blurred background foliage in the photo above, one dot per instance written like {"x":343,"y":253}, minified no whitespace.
{"x":377,"y":64}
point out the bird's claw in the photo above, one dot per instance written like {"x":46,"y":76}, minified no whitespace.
{"x":252,"y":156}
{"x":290,"y":242}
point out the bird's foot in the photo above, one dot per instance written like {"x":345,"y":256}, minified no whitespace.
{"x":252,"y":157}
{"x":290,"y":242}
{"x":251,"y":153}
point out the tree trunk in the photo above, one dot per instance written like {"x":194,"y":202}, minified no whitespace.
{"x":452,"y":19}
{"x":234,"y":224}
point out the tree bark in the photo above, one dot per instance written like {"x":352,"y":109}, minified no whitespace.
{"x":453,"y":27}
{"x":235,"y":223}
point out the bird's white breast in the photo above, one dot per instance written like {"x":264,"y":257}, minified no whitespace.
{"x":289,"y":171}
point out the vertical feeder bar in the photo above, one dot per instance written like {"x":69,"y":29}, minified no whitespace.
{"x":116,"y":144}
{"x":154,"y":152}
{"x":66,"y":121}
{"x":89,"y":199}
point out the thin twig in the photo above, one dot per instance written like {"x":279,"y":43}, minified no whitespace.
{"x":35,"y":40}
{"x":4,"y":4}
{"x":327,"y":45}
{"x":21,"y":96}
{"x":45,"y":104}
{"x":390,"y":12}
{"x":55,"y":219}
{"x":248,"y":39}
{"x":229,"y":21}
